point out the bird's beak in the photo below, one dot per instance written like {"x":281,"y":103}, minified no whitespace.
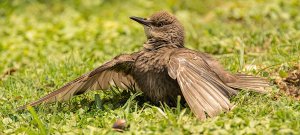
{"x":141,"y":20}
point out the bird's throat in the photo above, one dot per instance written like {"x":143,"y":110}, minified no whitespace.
{"x":155,"y":44}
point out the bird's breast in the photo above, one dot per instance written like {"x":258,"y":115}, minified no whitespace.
{"x":150,"y":63}
{"x":152,"y":77}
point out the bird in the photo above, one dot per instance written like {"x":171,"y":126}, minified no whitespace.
{"x":164,"y":69}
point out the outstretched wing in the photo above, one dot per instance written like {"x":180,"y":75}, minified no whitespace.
{"x":201,"y":87}
{"x":114,"y":72}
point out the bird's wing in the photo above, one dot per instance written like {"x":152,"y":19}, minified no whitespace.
{"x":114,"y":72}
{"x":237,"y":81}
{"x":201,"y":87}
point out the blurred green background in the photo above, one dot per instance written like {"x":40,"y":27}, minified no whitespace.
{"x":51,"y":42}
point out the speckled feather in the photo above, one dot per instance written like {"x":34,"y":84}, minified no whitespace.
{"x":164,"y":69}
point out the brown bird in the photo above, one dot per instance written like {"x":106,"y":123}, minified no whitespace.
{"x":164,"y":69}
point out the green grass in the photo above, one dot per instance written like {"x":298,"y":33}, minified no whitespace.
{"x":53,"y":42}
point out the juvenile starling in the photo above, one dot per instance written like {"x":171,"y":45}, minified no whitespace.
{"x":164,"y":69}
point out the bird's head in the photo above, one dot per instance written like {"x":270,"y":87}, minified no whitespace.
{"x":162,"y":27}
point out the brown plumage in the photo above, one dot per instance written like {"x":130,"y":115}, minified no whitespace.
{"x":164,"y":69}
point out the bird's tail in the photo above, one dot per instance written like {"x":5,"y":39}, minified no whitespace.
{"x":248,"y":82}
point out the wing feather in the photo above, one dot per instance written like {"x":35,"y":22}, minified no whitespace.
{"x":115,"y":72}
{"x":203,"y":90}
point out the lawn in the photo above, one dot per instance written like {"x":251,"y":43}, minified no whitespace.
{"x":44,"y":44}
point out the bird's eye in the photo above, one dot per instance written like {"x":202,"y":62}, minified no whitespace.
{"x":160,"y":24}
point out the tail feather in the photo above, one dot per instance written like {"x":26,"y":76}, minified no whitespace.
{"x":252,"y":83}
